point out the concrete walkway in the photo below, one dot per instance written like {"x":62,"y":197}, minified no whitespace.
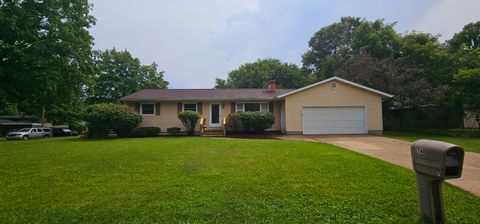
{"x":396,"y":152}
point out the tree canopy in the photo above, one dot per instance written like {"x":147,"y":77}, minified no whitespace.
{"x":120,"y":74}
{"x":468,"y":38}
{"x":332,"y":45}
{"x":415,"y":67}
{"x":48,"y":67}
{"x":468,"y":83}
{"x":45,"y":52}
{"x":258,"y":73}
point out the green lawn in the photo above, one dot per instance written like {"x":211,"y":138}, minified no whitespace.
{"x":471,"y":144}
{"x":201,"y":180}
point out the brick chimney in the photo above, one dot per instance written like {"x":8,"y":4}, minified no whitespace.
{"x":272,"y":86}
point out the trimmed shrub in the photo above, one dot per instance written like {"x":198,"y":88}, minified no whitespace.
{"x":145,"y":132}
{"x":173,"y":130}
{"x":189,"y":120}
{"x":233,"y":122}
{"x":256,"y":121}
{"x":104,"y":117}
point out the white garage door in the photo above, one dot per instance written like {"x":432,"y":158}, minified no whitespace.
{"x":334,"y":120}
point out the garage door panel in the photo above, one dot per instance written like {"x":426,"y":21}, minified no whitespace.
{"x":324,"y":119}
{"x":334,"y":120}
{"x":336,"y":124}
{"x":334,"y":131}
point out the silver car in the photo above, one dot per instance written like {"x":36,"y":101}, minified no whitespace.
{"x":27,"y":133}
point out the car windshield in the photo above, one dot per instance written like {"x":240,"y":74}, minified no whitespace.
{"x":66,"y":130}
{"x":24,"y":130}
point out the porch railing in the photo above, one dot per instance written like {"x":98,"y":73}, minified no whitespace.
{"x":224,"y":124}
{"x":201,"y":122}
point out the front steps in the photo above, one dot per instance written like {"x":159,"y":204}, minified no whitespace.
{"x":213,"y":133}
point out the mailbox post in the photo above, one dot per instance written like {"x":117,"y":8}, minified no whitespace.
{"x":433,"y":162}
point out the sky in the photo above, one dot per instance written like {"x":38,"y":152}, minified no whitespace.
{"x":195,"y":41}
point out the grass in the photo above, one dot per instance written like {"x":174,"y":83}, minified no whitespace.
{"x":202,"y":180}
{"x":469,"y":141}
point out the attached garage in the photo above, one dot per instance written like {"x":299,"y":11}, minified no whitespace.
{"x":333,"y":106}
{"x":334,"y":120}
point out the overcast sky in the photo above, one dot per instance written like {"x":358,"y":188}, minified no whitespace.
{"x":196,"y":41}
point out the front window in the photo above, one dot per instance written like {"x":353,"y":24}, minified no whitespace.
{"x":24,"y":130}
{"x":190,"y":106}
{"x":148,"y":109}
{"x":242,"y":107}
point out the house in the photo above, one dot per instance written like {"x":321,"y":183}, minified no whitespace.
{"x":331,"y":106}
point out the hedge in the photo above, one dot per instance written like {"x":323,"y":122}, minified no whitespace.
{"x":145,"y":132}
{"x":173,"y":130}
{"x":189,"y":120}
{"x":104,"y":117}
{"x":233,"y":122}
{"x":256,"y":121}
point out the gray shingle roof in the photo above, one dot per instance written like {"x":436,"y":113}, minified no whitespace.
{"x":203,"y":94}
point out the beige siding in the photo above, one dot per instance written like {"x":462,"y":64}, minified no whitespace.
{"x":167,"y":118}
{"x":323,"y":95}
{"x":276,"y":113}
{"x":168,"y":115}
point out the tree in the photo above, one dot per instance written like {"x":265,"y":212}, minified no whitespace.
{"x":120,"y":74}
{"x":425,"y":53}
{"x":410,"y":90}
{"x":257,"y":75}
{"x":468,"y":38}
{"x":104,"y":117}
{"x":335,"y":44}
{"x":189,"y":120}
{"x":222,"y":84}
{"x":435,"y":64}
{"x":467,"y":82}
{"x":45,"y":52}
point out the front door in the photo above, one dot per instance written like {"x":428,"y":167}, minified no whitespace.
{"x":215,"y":116}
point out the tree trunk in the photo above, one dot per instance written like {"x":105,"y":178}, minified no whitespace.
{"x":43,"y":115}
{"x":402,"y":118}
{"x":445,"y":121}
{"x":477,"y":117}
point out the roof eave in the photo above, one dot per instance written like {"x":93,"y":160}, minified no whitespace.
{"x":383,"y":94}
{"x":187,"y":100}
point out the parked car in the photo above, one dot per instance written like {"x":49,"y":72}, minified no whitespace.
{"x":47,"y":131}
{"x":27,"y":133}
{"x":58,"y":132}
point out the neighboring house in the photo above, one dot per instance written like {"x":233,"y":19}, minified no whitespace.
{"x":332,"y":106}
{"x":470,"y":120}
{"x":12,"y":122}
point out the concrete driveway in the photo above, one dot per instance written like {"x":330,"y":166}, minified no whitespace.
{"x":396,"y":152}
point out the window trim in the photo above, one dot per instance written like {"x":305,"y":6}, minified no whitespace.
{"x":196,"y":105}
{"x":260,"y":103}
{"x":154,"y":109}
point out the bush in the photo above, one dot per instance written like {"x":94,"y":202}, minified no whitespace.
{"x":189,"y":120}
{"x":233,"y":122}
{"x":173,"y":130}
{"x":104,"y":117}
{"x":256,"y":121}
{"x":145,"y":132}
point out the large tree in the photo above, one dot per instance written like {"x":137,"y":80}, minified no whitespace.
{"x":425,"y":53}
{"x":120,"y":74}
{"x":411,"y":91}
{"x":468,"y":84}
{"x":335,"y":44}
{"x":257,"y":75}
{"x":45,"y":53}
{"x":435,"y":64}
{"x":468,"y":38}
